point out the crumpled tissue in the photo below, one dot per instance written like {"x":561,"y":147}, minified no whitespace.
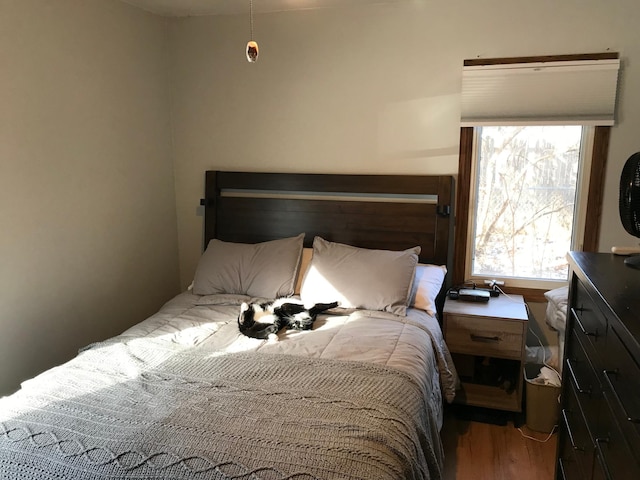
{"x":547,"y":376}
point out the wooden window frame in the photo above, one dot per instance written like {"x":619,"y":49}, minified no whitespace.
{"x":463,"y":191}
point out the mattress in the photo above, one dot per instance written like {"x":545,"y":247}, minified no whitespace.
{"x":556,"y":318}
{"x":184,"y":395}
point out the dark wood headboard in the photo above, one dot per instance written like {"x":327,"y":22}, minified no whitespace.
{"x":391,"y":212}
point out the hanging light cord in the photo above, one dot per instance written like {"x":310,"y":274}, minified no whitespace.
{"x":251,"y":16}
{"x":252,"y":47}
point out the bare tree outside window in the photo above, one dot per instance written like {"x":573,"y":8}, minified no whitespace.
{"x":525,"y":201}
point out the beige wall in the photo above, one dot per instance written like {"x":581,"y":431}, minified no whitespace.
{"x":369,"y":90}
{"x":87,"y":210}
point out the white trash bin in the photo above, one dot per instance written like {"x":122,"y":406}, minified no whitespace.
{"x":542,"y":390}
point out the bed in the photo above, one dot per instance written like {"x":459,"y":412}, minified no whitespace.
{"x":184,"y":395}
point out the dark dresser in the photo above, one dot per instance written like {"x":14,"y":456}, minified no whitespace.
{"x":599,"y":431}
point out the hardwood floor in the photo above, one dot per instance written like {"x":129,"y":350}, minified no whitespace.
{"x":481,"y":451}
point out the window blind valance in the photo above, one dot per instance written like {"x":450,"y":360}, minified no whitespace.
{"x":540,"y":92}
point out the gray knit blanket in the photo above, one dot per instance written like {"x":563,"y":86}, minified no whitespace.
{"x":120,"y":411}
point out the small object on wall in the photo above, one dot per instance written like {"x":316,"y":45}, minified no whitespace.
{"x":252,"y":51}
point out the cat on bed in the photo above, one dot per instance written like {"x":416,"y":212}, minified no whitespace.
{"x":265,"y":320}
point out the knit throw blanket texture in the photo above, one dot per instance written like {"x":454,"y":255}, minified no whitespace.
{"x":117,"y":412}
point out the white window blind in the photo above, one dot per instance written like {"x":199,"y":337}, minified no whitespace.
{"x":540,"y":93}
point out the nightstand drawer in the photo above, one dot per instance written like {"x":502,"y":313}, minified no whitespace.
{"x":484,"y":336}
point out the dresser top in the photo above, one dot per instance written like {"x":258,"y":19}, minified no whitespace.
{"x":616,"y":284}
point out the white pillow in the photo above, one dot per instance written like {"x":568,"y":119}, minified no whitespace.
{"x":426,"y":286}
{"x":266,"y":270}
{"x":359,"y":277}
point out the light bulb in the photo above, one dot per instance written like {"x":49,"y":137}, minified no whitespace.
{"x":252,"y":51}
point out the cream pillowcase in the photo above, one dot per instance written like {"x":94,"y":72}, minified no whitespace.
{"x":307,"y":253}
{"x":359,"y":277}
{"x":266,"y":270}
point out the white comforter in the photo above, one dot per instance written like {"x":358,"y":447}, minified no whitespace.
{"x":180,"y":395}
{"x":413,"y":344}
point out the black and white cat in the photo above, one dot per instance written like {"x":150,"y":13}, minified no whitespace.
{"x":261,"y":320}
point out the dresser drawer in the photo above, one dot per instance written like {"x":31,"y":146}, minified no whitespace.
{"x":614,"y":458}
{"x":576,"y":438}
{"x":587,"y":318}
{"x":583,"y":378}
{"x":599,"y":472}
{"x":484,"y":336}
{"x":621,"y":375}
{"x":567,"y":468}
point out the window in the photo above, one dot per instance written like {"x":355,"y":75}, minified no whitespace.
{"x":524,"y":213}
{"x":533,"y":148}
{"x":595,"y":144}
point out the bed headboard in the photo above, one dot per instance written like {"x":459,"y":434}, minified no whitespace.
{"x":391,"y":212}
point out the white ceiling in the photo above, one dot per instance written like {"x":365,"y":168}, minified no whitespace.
{"x":181,"y":8}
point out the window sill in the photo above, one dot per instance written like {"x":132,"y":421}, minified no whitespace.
{"x":531,"y":295}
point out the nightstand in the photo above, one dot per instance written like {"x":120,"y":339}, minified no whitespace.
{"x":487,"y":343}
